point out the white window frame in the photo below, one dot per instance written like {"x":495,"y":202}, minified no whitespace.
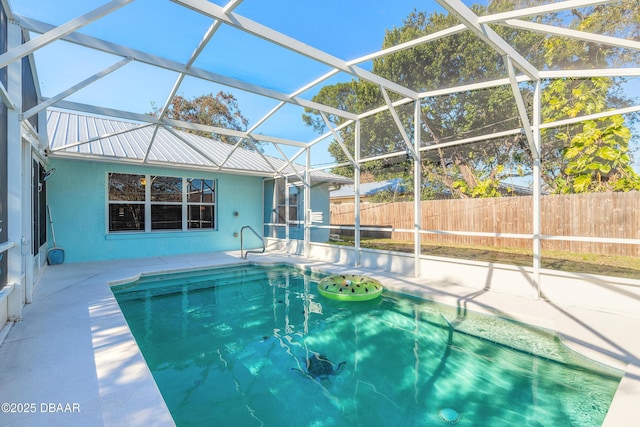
{"x":148,"y":204}
{"x":286,"y":205}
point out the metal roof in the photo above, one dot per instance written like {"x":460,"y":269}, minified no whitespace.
{"x":83,"y":136}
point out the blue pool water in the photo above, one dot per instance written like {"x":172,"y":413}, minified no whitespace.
{"x":227,"y":347}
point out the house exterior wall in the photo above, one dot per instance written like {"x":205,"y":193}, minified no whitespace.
{"x":319,"y":204}
{"x":78,"y":200}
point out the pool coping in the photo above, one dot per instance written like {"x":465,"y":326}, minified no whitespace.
{"x":74,"y":345}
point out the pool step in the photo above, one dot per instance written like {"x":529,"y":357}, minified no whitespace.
{"x":168,"y":284}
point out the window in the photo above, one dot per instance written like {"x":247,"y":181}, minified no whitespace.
{"x":126,"y":202}
{"x":284,"y":202}
{"x":200,"y":203}
{"x":166,"y":203}
{"x":156,"y":203}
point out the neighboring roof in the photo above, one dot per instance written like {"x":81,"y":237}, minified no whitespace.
{"x":99,"y":138}
{"x":372,"y":188}
{"x":369,"y":189}
{"x":517,"y":190}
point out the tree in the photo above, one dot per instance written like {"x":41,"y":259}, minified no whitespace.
{"x":478,"y":170}
{"x":592,"y":155}
{"x":220,"y":110}
{"x":598,"y":158}
{"x":595,"y":153}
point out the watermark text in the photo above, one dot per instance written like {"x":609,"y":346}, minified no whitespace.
{"x":40,"y":407}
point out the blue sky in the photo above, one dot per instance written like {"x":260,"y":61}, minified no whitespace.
{"x":344,"y":29}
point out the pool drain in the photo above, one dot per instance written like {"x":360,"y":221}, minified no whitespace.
{"x":449,"y":415}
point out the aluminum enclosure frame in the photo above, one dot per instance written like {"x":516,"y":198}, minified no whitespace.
{"x":469,"y":21}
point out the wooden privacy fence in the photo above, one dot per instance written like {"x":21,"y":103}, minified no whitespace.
{"x":600,"y":215}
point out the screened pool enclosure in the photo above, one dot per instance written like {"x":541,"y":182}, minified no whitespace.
{"x":508,"y":124}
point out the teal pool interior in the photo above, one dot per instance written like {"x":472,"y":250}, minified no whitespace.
{"x":238,"y":344}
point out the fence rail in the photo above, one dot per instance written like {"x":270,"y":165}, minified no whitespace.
{"x":598,"y":215}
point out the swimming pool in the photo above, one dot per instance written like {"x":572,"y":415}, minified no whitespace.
{"x":230,"y":344}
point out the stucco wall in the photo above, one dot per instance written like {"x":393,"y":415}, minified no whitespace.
{"x":77,"y":197}
{"x":319,"y":204}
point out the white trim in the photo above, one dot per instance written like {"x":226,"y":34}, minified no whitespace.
{"x":148,"y":203}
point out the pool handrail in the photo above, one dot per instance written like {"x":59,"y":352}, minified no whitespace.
{"x":244,"y":254}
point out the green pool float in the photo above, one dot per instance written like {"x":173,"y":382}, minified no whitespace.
{"x":350,"y":287}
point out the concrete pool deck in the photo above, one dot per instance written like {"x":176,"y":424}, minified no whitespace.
{"x":72,"y":360}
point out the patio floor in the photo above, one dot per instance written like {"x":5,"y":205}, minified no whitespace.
{"x":73,"y":361}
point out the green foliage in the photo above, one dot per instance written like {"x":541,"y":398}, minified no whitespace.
{"x":592,"y":155}
{"x":597,"y":158}
{"x":488,"y":187}
{"x":220,"y":110}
